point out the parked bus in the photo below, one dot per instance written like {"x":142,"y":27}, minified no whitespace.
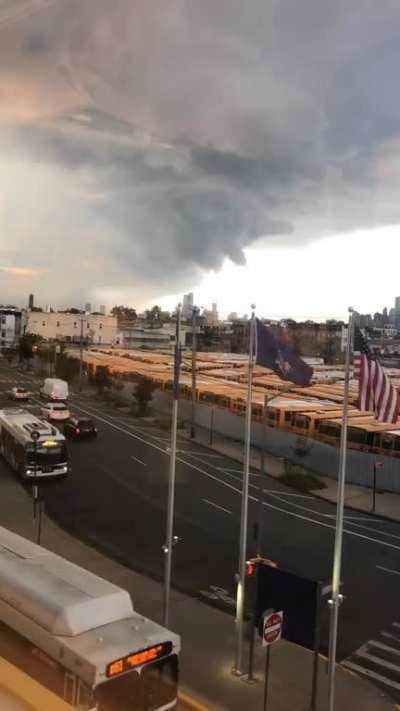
{"x":79,"y":636}
{"x":32,"y":447}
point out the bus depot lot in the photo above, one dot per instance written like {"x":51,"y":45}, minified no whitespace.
{"x":114,"y":500}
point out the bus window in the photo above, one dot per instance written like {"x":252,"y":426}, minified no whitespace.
{"x":356,"y":435}
{"x":386,"y":441}
{"x":301,"y":421}
{"x":154,"y":687}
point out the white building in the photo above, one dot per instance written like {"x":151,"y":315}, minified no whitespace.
{"x":11,"y":326}
{"x":94,"y":328}
{"x":138,"y":335}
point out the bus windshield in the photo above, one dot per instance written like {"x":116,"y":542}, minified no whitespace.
{"x":46,"y":455}
{"x":153,"y":687}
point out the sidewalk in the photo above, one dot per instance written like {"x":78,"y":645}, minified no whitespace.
{"x":356,"y":497}
{"x":207,"y":633}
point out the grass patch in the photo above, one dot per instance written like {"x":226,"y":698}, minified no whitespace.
{"x":302,"y":482}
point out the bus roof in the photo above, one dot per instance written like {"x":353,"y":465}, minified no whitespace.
{"x":61,"y":597}
{"x":68,"y":611}
{"x":22,"y":423}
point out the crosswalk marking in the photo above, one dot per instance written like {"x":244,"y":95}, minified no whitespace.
{"x":384,"y":647}
{"x":372,"y":675}
{"x":379,"y":660}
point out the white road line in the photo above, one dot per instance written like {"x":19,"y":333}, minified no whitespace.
{"x":228,"y":469}
{"x":217,"y":506}
{"x":251,"y":498}
{"x":389,"y":635}
{"x":371,"y":675}
{"x":383,"y":647}
{"x":350,"y":523}
{"x":355,"y":518}
{"x":388,"y":570}
{"x":138,"y":460}
{"x":378,"y":661}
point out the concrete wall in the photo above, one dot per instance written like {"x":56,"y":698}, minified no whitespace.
{"x":319,"y":457}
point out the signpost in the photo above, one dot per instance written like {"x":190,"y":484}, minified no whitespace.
{"x":377,"y":465}
{"x":271,"y":633}
{"x":272,"y":627}
{"x":36,"y":502}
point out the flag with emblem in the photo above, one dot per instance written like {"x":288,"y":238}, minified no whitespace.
{"x":275,"y":352}
{"x":375,"y":391}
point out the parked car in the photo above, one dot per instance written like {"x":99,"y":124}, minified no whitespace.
{"x":79,"y":427}
{"x":55,"y":411}
{"x":20,"y":394}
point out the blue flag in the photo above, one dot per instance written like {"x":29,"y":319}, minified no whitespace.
{"x":276,"y":353}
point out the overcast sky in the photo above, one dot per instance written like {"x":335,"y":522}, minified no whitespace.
{"x":246,"y":151}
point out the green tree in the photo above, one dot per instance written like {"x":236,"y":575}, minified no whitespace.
{"x":67,"y":368}
{"x":28,"y":345}
{"x":102,"y":378}
{"x":124,"y":313}
{"x":143,"y":394}
{"x":154,"y":314}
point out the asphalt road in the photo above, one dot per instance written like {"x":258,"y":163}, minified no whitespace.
{"x":115,"y":499}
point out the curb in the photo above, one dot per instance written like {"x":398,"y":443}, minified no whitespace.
{"x":193,"y":701}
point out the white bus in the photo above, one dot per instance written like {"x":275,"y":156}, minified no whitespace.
{"x":43,"y":455}
{"x":79,"y":636}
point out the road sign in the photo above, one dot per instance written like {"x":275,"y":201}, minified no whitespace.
{"x":272,"y":627}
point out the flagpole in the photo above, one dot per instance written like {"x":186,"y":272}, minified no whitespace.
{"x":170,"y":538}
{"x":241,"y":576}
{"x":336,"y":597}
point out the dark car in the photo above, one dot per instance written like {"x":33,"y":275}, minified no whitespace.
{"x":80,"y":427}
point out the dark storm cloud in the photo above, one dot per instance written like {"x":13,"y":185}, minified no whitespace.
{"x":180,"y":133}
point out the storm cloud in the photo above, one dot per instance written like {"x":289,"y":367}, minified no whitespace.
{"x":144,"y":143}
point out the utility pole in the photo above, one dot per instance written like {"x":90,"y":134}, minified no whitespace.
{"x":241,"y":575}
{"x":81,"y":355}
{"x":336,"y":597}
{"x":171,"y":540}
{"x":195,"y":312}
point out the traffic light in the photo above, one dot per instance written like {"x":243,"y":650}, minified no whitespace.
{"x":250,"y":568}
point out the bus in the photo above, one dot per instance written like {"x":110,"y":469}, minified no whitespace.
{"x":79,"y":635}
{"x":32,"y":447}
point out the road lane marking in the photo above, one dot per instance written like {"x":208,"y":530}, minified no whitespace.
{"x":331,"y":516}
{"x":138,"y":460}
{"x":251,"y":498}
{"x":388,"y":570}
{"x":217,"y":506}
{"x":371,"y":674}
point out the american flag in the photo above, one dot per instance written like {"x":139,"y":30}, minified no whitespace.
{"x":375,"y":391}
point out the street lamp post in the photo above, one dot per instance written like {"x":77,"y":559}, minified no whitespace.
{"x":195,"y":312}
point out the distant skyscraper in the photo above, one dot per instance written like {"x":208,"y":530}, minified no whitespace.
{"x":187,"y":305}
{"x":102,"y":309}
{"x":88,"y":308}
{"x":31,"y":302}
{"x":397,"y":312}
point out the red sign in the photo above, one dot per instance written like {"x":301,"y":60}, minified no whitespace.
{"x":272,"y":627}
{"x":378,"y":465}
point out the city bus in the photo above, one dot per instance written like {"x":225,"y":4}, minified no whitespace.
{"x":31,"y":446}
{"x":79,"y":635}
